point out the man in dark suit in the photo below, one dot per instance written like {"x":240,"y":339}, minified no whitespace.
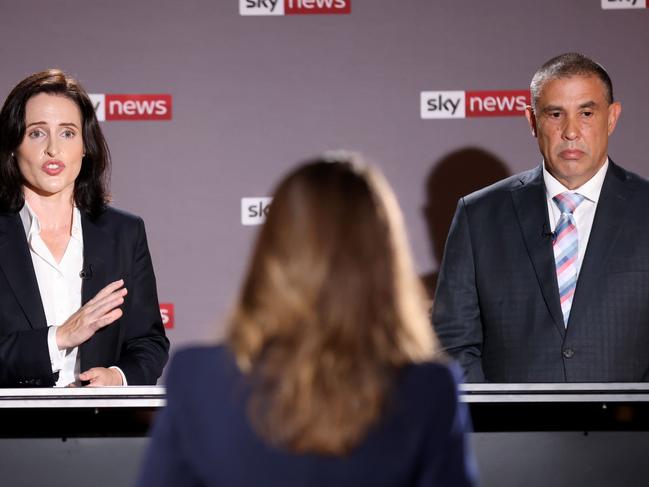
{"x":545,"y":276}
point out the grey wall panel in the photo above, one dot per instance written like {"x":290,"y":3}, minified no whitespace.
{"x":253,"y":95}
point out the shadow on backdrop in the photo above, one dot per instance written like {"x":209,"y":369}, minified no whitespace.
{"x":455,"y":175}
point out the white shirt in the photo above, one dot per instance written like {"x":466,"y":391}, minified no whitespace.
{"x":585,"y":212}
{"x":59,"y":285}
{"x":60,"y":288}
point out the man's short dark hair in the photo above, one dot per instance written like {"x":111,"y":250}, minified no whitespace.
{"x":565,"y":66}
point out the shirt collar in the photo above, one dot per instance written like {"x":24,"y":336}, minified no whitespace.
{"x":76,"y":232}
{"x":32,"y":225}
{"x":591,"y":189}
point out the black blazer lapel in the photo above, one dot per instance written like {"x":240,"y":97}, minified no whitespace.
{"x":97,"y":253}
{"x":530,"y":203}
{"x":100,"y":261}
{"x":611,"y":210}
{"x":16,"y":263}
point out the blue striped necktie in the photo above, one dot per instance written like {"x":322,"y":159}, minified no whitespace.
{"x":566,"y":249}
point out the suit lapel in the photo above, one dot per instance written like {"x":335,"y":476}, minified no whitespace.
{"x":97,"y":253}
{"x":16,"y":263}
{"x":530,"y":203}
{"x":611,"y":209}
{"x":98,"y":257}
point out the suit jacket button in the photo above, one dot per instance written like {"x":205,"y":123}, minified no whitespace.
{"x":568,"y":352}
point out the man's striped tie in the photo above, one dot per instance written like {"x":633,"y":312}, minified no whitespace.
{"x":566,"y":247}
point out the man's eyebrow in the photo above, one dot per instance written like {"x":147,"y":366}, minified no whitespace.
{"x":557,"y":108}
{"x":552,"y":108}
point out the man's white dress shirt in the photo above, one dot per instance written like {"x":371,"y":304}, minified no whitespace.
{"x":585,"y":212}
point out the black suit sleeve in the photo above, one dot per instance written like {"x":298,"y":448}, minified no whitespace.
{"x":145,"y":347}
{"x":456,"y":310}
{"x":25,"y":360}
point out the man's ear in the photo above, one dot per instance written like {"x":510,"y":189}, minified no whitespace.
{"x":614,"y":111}
{"x":531,"y":119}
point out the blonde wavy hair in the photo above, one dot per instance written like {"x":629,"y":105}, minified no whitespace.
{"x":330,"y":309}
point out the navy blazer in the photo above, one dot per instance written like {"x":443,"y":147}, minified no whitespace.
{"x":114,"y":247}
{"x":497,"y":307}
{"x":203,"y":436}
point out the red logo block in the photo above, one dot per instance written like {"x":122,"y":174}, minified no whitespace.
{"x":307,"y":7}
{"x":496,"y":103}
{"x":167,"y":315}
{"x":138,"y":107}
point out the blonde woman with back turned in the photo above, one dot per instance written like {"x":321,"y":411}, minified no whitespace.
{"x":330,"y":374}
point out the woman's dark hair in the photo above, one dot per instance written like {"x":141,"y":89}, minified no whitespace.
{"x":91,"y":186}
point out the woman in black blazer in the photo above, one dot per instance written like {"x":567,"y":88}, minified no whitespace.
{"x":78,"y":302}
{"x":330,"y":374}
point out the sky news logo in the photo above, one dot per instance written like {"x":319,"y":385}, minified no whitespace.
{"x":469,"y":104}
{"x":132,"y":107}
{"x":623,"y":4}
{"x":254,"y":210}
{"x":295,"y":7}
{"x":167,"y":315}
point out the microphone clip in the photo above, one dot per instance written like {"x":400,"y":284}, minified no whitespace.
{"x":547,"y":233}
{"x":86,"y":272}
